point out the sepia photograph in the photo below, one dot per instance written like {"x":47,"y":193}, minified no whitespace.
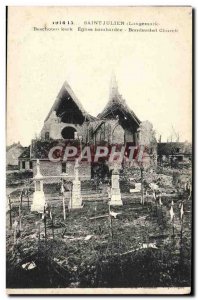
{"x":99,"y":150}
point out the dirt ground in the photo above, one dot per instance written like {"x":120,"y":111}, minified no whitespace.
{"x":138,"y":248}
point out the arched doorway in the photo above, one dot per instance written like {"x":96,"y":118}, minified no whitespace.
{"x":68,"y":133}
{"x":118,"y":135}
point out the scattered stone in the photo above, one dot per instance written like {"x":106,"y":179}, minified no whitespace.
{"x":29,"y":266}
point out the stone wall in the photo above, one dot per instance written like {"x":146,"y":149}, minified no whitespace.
{"x":129,"y":136}
{"x":54,"y":127}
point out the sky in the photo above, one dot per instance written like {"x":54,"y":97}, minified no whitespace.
{"x":153,"y":70}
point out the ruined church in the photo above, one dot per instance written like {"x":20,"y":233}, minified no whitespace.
{"x":68,"y":123}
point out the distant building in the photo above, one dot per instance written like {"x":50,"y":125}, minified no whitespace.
{"x":12,"y":154}
{"x":174,"y":152}
{"x":25,"y":162}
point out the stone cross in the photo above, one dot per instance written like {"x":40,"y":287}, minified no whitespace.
{"x":38,"y":200}
{"x":76,"y":198}
{"x":115,"y":189}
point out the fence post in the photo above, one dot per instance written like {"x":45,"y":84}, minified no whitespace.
{"x":45,"y":224}
{"x":142,"y":188}
{"x":10,"y":211}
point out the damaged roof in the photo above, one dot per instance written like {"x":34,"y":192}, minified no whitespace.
{"x":64,"y":100}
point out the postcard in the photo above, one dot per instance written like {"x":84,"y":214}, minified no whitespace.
{"x":99,"y":150}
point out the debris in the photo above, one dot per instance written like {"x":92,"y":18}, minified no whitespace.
{"x":88,"y":237}
{"x":143,"y":246}
{"x":114,"y":214}
{"x":154,"y":186}
{"x":15,"y":224}
{"x":149,"y":245}
{"x":160,"y":201}
{"x":57,"y":260}
{"x":137,"y":188}
{"x":74,"y":284}
{"x":74,"y":238}
{"x":29,"y":266}
{"x":99,"y":217}
{"x":132,"y":179}
{"x":143,"y":217}
{"x":172,"y":213}
{"x":181,"y":211}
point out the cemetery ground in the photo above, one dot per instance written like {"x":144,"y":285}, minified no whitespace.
{"x":138,"y":247}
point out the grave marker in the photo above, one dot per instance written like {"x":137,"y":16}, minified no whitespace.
{"x":115,"y":188}
{"x":38,"y":195}
{"x":76,"y":198}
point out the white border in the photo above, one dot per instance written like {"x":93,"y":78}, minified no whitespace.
{"x":193,"y":3}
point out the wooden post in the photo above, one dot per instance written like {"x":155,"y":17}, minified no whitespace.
{"x":181,"y":232}
{"x":142,"y":188}
{"x":71,"y":193}
{"x":39,"y":231}
{"x":181,"y":237}
{"x":21,"y":199}
{"x":53,"y":226}
{"x":173,"y":226}
{"x":157,"y":210}
{"x":15,"y":224}
{"x":190,"y":190}
{"x":28,"y":198}
{"x":146,"y":196}
{"x":20,"y":209}
{"x":63,"y":199}
{"x":64,"y":214}
{"x":14,"y":235}
{"x":110,"y":222}
{"x":45,"y":224}
{"x":20,"y":217}
{"x":10,"y":211}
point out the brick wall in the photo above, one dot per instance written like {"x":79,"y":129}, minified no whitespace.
{"x":48,"y":168}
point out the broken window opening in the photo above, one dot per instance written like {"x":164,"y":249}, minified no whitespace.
{"x":68,"y":110}
{"x":47,"y":135}
{"x":68,"y":133}
{"x":64,"y":167}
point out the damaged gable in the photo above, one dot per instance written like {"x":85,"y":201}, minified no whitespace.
{"x":68,"y":108}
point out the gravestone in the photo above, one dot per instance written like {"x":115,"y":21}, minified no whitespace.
{"x":76,"y":198}
{"x":38,"y":195}
{"x":115,"y":189}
